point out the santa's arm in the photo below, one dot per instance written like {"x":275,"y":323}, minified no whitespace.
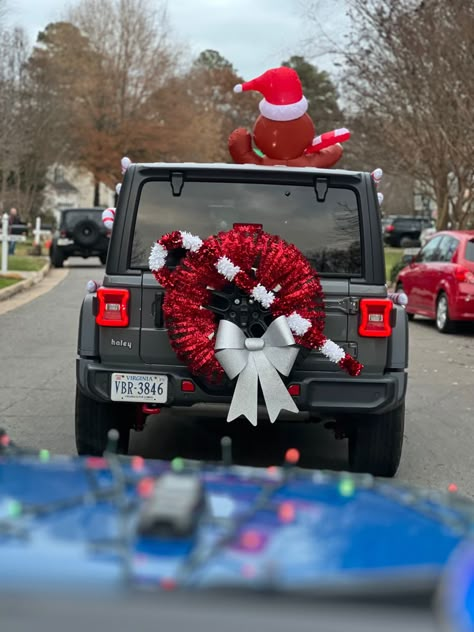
{"x":240,"y":148}
{"x":325,"y":158}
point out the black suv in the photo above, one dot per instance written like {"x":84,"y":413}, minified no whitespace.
{"x":404,"y":231}
{"x":333,"y":217}
{"x":81,"y":233}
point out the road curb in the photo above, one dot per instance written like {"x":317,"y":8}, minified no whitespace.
{"x":34,"y":279}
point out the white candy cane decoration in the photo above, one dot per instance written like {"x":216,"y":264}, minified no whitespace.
{"x":159,"y":250}
{"x":398,"y":298}
{"x":125,"y":164}
{"x":92,"y":286}
{"x":108,"y":218}
{"x":377,"y":176}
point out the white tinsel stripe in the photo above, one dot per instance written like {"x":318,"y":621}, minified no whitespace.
{"x":190,"y":242}
{"x":263,"y":296}
{"x":332,"y":351}
{"x":225,"y":267}
{"x":298,"y":324}
{"x":157,"y":257}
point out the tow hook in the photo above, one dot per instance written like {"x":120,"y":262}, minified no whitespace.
{"x":143,"y":411}
{"x":151,"y":409}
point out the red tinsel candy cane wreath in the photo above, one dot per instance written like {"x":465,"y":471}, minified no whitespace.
{"x":273,"y":272}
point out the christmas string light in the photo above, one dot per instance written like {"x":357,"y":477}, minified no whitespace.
{"x":44,"y":456}
{"x":177,"y":464}
{"x":346,"y":487}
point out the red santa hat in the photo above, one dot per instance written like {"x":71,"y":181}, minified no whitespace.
{"x":283,"y":98}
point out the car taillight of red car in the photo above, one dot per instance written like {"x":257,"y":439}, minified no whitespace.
{"x":464,"y":276}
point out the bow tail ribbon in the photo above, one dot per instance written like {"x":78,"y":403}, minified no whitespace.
{"x":274,"y":391}
{"x":245,"y":398}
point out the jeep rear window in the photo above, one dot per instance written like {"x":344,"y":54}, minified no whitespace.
{"x":327,"y":233}
{"x":71,"y":218}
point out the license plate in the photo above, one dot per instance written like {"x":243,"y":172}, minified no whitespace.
{"x":136,"y":387}
{"x":62,"y":241}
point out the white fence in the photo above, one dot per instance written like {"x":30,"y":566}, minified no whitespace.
{"x":5,"y":238}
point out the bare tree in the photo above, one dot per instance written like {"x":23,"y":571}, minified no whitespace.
{"x":25,"y":127}
{"x":409,"y":88}
{"x":134,"y":58}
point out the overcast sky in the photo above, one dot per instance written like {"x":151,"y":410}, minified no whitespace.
{"x":253,"y":34}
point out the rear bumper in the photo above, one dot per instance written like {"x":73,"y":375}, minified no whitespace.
{"x":321,"y":393}
{"x":82,"y":251}
{"x":463,"y":306}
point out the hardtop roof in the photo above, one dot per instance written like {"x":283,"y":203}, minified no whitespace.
{"x":245,"y":167}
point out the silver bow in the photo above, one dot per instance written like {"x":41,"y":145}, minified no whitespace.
{"x":254,"y":359}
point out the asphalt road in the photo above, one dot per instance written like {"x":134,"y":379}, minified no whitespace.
{"x":37,"y":369}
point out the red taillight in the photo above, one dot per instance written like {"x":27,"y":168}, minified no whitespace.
{"x":113,"y":307}
{"x":63,"y":233}
{"x":294,"y":390}
{"x":187,"y":386}
{"x":375,"y":318}
{"x":389,"y":228}
{"x":464,"y":276}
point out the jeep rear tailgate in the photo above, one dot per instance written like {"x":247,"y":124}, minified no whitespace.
{"x":319,"y":212}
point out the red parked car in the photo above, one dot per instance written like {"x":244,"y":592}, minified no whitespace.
{"x":439,"y":281}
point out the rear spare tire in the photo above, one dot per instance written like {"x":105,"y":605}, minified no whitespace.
{"x":86,"y":233}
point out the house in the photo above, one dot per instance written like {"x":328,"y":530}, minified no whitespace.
{"x":72,"y":187}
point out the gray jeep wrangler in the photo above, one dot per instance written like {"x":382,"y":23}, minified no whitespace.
{"x":126,"y":368}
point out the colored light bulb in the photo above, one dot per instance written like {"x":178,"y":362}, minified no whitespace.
{"x":145,"y":487}
{"x":138,"y":463}
{"x":346,"y":487}
{"x":286,"y":512}
{"x":44,"y":456}
{"x":250,"y":540}
{"x":168,"y":583}
{"x":177,"y":464}
{"x":14,"y":508}
{"x":4,"y":441}
{"x":292,"y":456}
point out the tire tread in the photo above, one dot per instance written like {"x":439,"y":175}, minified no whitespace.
{"x":93,"y":420}
{"x":375,"y":447}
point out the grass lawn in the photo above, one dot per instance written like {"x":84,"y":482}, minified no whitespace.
{"x":392,"y":256}
{"x":25,"y":264}
{"x":22,"y":248}
{"x":6,"y":282}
